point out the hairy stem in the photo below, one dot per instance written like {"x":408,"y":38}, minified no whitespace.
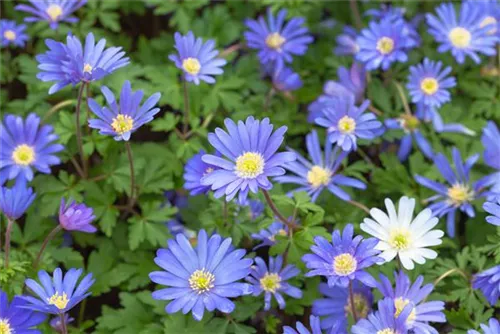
{"x":8,"y":231}
{"x":359,"y":205}
{"x":79,"y":130}
{"x":186,"y":108}
{"x":351,"y":298}
{"x":48,"y":239}
{"x":131,"y":201}
{"x":291,"y":225}
{"x":355,"y":13}
{"x":64,"y":328}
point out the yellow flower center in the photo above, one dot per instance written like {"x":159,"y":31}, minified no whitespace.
{"x":59,"y":301}
{"x":122,"y":123}
{"x":10,"y":35}
{"x":360,"y":305}
{"x":459,"y":194}
{"x":487,"y":21}
{"x":344,"y":264}
{"x":346,"y":125}
{"x":429,"y":86}
{"x":385,"y":45}
{"x":5,"y":327}
{"x":275,"y":41}
{"x":201,"y":281}
{"x":54,"y":11}
{"x":386,"y":331}
{"x":191,"y":65}
{"x":23,"y":155}
{"x":282,"y":232}
{"x":460,"y":37}
{"x":270,"y":282}
{"x":400,"y":239}
{"x":87,"y":68}
{"x":409,"y":122}
{"x":249,"y":165}
{"x":318,"y":176}
{"x":399,"y":304}
{"x":208,"y":171}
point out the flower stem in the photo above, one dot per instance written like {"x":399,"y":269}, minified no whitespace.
{"x":359,"y":205}
{"x":8,"y":231}
{"x":351,"y":299}
{"x":225,"y":212}
{"x":375,"y":110}
{"x":79,"y":130}
{"x":448,"y":273}
{"x":48,"y":239}
{"x":291,"y":225}
{"x":355,"y":13}
{"x":64,"y":328}
{"x":186,"y":108}
{"x":131,"y":201}
{"x":403,"y":98}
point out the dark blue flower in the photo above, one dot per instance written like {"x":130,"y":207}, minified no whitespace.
{"x":76,"y":217}
{"x":272,"y":280}
{"x":16,"y":200}
{"x":488,"y":282}
{"x":321,"y":173}
{"x":276,"y":40}
{"x":351,"y":81}
{"x":59,"y":294}
{"x":268,"y":235}
{"x":346,"y":42}
{"x":71,"y":63}
{"x":344,"y":259}
{"x":194,"y":170}
{"x":383,"y":321}
{"x":15,"y":318}
{"x":197,"y":59}
{"x":286,"y":80}
{"x":56,"y":324}
{"x":26,"y":146}
{"x":52,"y":11}
{"x":464,"y":35}
{"x":120,"y":120}
{"x":493,"y":327}
{"x":493,"y":208}
{"x":301,"y":329}
{"x":11,"y":33}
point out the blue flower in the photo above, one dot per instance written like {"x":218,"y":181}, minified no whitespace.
{"x":343,"y":260}
{"x":272,"y":281}
{"x":490,"y":10}
{"x":201,"y":278}
{"x":383,"y":320}
{"x":59,"y":294}
{"x":428,"y":83}
{"x":411,"y":127}
{"x":52,"y":11}
{"x":194,"y":171}
{"x":464,"y":35}
{"x":56,"y":324}
{"x":71,"y":63}
{"x":286,"y":80}
{"x":16,"y":200}
{"x":11,"y":33}
{"x":345,"y":122}
{"x":346,"y":42}
{"x":197,"y":59}
{"x":26,"y":146}
{"x":301,"y":329}
{"x":430,"y":114}
{"x":250,"y":148}
{"x":321,"y":173}
{"x":120,"y":120}
{"x":412,"y":296}
{"x":488,"y":282}
{"x":491,"y":153}
{"x":256,"y":208}
{"x":381,"y":44}
{"x":336,"y":306}
{"x":493,"y":207}
{"x":458,"y":194}
{"x":493,"y":327}
{"x":351,"y":81}
{"x":268,"y":235}
{"x":76,"y":217}
{"x":276,"y":40}
{"x":14,"y":318}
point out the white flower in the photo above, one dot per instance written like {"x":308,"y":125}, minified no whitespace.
{"x":399,"y":235}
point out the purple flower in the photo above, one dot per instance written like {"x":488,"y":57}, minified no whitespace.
{"x":381,"y":44}
{"x":76,"y":217}
{"x":15,"y":318}
{"x":383,"y":320}
{"x":336,"y":306}
{"x":345,"y":122}
{"x":197,"y":59}
{"x":26,"y":145}
{"x":428,"y":83}
{"x":120,"y":120}
{"x":464,"y":35}
{"x":268,"y":235}
{"x":301,"y":329}
{"x":321,"y":173}
{"x":488,"y":282}
{"x":493,"y":327}
{"x":250,"y":151}
{"x":194,"y":171}
{"x":52,"y":11}
{"x":276,"y":40}
{"x":491,"y":153}
{"x":343,"y":260}
{"x":201,"y":278}
{"x":286,"y":80}
{"x":71,"y":63}
{"x":490,"y":10}
{"x":272,"y":281}
{"x":346,"y":42}
{"x":56,"y":324}
{"x":406,"y":295}
{"x":16,"y":200}
{"x":11,"y":33}
{"x":351,"y":81}
{"x":493,"y":208}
